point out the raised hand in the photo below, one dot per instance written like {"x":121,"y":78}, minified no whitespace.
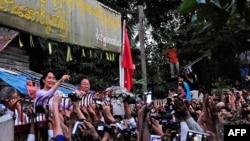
{"x":13,"y":104}
{"x":91,"y":128}
{"x":84,"y":109}
{"x":58,"y":97}
{"x":30,"y":112}
{"x":156,"y":126}
{"x":92,"y":113}
{"x":106,"y":109}
{"x":181,"y":110}
{"x":145,"y":135}
{"x":65,"y":77}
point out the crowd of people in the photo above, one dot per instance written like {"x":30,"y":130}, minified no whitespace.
{"x":87,"y":115}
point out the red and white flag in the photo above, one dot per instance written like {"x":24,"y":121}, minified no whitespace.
{"x":127,"y":62}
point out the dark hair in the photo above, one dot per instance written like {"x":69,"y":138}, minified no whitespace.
{"x":182,"y":85}
{"x":226,"y":108}
{"x":172,"y":89}
{"x":181,"y":76}
{"x":45,"y":74}
{"x":84,"y":77}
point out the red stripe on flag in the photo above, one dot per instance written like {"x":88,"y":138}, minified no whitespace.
{"x":127,"y":62}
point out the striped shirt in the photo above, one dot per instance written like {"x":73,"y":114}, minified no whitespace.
{"x":87,"y":99}
{"x":44,"y":98}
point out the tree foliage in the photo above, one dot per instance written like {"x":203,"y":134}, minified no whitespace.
{"x":219,"y":26}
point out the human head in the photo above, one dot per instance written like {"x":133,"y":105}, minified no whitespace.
{"x":245,"y":110}
{"x":180,"y":78}
{"x":237,"y":82}
{"x":181,"y":87}
{"x":225,"y":112}
{"x":219,"y":105}
{"x":139,"y":103}
{"x":48,"y":79}
{"x":8,"y":92}
{"x":172,"y":90}
{"x":29,"y":83}
{"x":245,"y":107}
{"x":97,"y":96}
{"x":224,"y":109}
{"x":84,"y":85}
{"x":194,"y":102}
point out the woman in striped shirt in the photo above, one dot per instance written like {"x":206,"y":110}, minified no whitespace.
{"x":48,"y":87}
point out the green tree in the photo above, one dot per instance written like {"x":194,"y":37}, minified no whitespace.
{"x":195,"y":28}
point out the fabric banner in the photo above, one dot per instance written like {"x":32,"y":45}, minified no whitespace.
{"x":127,"y":62}
{"x":85,"y":23}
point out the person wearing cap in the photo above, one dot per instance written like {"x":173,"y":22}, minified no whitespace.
{"x":171,"y":53}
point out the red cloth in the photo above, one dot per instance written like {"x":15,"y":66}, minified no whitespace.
{"x":127,"y":62}
{"x":172,"y":54}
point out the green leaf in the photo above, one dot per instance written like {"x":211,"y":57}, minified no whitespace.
{"x":187,"y":6}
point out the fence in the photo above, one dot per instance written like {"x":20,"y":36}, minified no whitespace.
{"x":21,"y":131}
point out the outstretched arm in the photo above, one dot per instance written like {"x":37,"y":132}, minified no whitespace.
{"x":56,"y":117}
{"x":59,"y":82}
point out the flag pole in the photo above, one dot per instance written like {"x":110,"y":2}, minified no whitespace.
{"x":121,"y":69}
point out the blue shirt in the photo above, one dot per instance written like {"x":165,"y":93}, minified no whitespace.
{"x":188,"y":92}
